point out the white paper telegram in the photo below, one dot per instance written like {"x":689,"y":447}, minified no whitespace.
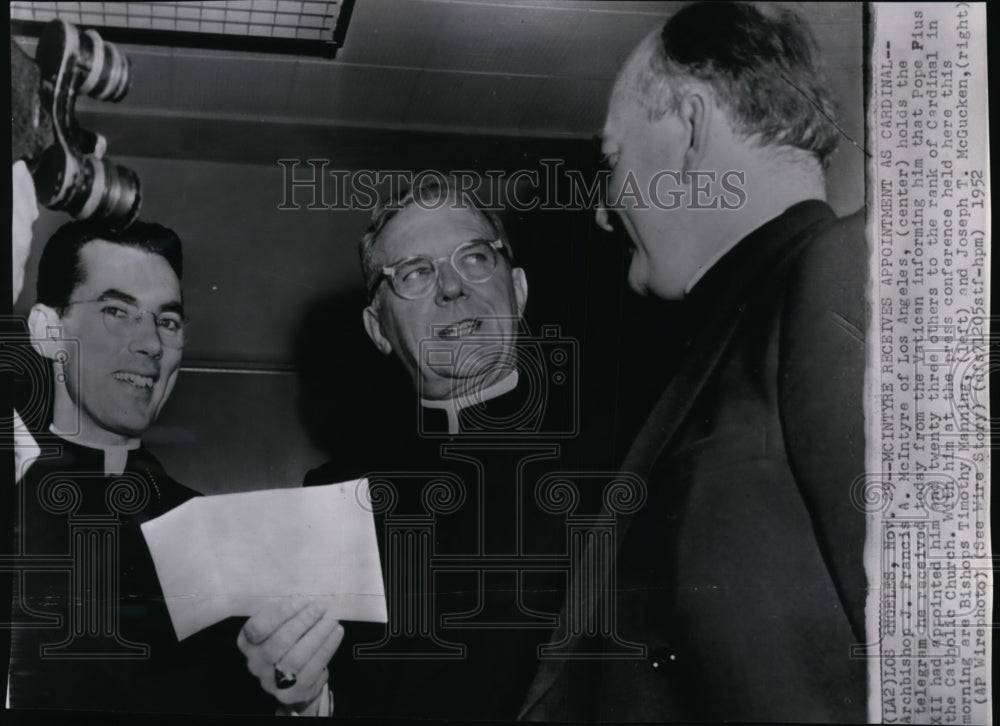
{"x":230,"y":554}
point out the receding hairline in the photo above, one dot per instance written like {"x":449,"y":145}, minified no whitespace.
{"x":640,"y":54}
{"x":469,"y":210}
{"x":626,"y":83}
{"x":742,"y":56}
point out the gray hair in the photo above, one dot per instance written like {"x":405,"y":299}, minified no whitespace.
{"x":430,"y":191}
{"x":762,"y":66}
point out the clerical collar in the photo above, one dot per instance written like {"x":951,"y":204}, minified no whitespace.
{"x":452,"y":406}
{"x":115,"y":455}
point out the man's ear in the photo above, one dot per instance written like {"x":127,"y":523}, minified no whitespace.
{"x":374,"y":329}
{"x":696,"y":114}
{"x":45,"y":326}
{"x":520,"y":289}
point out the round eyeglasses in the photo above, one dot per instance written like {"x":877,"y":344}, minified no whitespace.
{"x":415,"y":277}
{"x":123,"y":320}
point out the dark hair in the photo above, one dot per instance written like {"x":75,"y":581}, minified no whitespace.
{"x":431,"y":190}
{"x":60,"y":271}
{"x":762,"y":66}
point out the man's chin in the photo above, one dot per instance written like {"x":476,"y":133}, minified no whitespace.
{"x":131,"y":428}
{"x":467,"y":378}
{"x":442,"y":389}
{"x":476,"y":360}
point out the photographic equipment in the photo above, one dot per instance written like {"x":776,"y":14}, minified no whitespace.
{"x":72,"y":174}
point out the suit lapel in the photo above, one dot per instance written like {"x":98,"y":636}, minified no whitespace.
{"x":655,"y":435}
{"x":723,"y":295}
{"x":752,"y":269}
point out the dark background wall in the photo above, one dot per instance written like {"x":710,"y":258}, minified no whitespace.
{"x":278,"y":374}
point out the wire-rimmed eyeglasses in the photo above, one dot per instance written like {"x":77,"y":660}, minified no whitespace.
{"x":123,"y":320}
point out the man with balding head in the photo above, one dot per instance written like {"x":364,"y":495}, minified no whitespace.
{"x":742,"y":574}
{"x":460,"y":452}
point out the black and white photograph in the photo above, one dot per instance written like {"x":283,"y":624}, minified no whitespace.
{"x":497,"y":360}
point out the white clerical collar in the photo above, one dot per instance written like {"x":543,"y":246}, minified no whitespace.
{"x":25,"y":448}
{"x":452,"y":406}
{"x":115,"y":455}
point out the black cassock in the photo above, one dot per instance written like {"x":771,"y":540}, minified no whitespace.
{"x":463,"y":635}
{"x":91,"y":628}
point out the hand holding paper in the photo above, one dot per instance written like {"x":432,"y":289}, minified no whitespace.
{"x":232,"y":554}
{"x":295,"y":640}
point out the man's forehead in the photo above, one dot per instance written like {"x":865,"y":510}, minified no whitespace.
{"x":625,"y":112}
{"x":418,"y":230}
{"x":139,"y":272}
{"x":624,"y":100}
{"x":626,"y":95}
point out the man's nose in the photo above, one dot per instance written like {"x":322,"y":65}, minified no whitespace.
{"x":450,"y":285}
{"x":146,"y":336}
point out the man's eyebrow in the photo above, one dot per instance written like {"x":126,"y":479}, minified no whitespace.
{"x":112,"y":294}
{"x":173,"y":307}
{"x":488,"y":237}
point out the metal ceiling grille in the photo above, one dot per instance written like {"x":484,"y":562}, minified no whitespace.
{"x":282,"y":26}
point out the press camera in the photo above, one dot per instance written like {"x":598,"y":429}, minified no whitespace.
{"x":66,"y":160}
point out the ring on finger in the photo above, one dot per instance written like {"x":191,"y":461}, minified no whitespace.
{"x":283,"y":679}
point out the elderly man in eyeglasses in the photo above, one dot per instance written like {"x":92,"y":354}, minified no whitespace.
{"x":446,"y":301}
{"x":446,"y":298}
{"x":90,"y":627}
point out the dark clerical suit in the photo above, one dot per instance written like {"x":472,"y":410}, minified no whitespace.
{"x":91,"y":627}
{"x":742,"y":574}
{"x":463,"y":492}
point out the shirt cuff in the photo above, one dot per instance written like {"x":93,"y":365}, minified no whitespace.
{"x":321,"y":706}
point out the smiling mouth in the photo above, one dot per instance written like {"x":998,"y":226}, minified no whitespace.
{"x":461,"y":328}
{"x":135,"y":379}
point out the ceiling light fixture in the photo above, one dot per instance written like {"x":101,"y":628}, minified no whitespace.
{"x":275,"y":26}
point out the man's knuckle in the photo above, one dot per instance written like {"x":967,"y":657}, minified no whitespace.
{"x":274,"y":652}
{"x":251,"y":634}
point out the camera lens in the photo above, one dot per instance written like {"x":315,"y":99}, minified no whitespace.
{"x":108,"y":192}
{"x":88,"y":187}
{"x":95,"y":66}
{"x":122,"y":195}
{"x":109,"y":71}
